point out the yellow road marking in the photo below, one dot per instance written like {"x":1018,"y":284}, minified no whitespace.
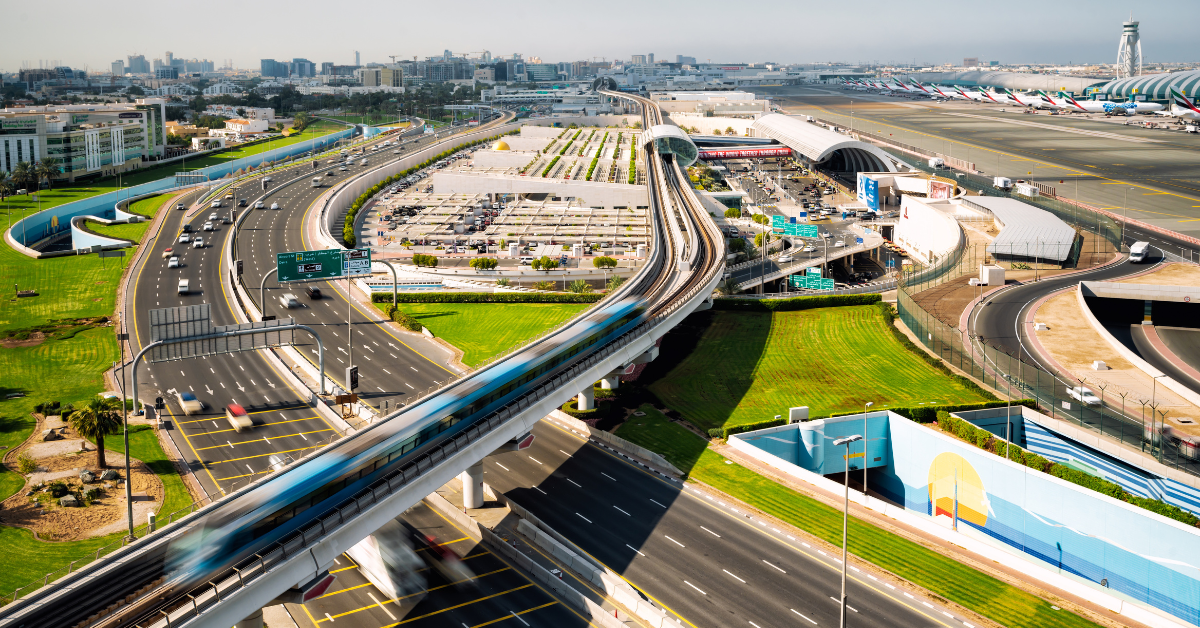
{"x":267,"y":438}
{"x":437,"y":612}
{"x":510,"y":615}
{"x":286,"y":451}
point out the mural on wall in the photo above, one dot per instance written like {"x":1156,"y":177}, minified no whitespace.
{"x":956,"y":491}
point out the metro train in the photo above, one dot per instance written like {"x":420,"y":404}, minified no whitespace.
{"x":271,"y":511}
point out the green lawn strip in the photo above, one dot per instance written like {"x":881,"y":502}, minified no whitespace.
{"x":370,"y":118}
{"x":143,"y":445}
{"x":750,"y":366}
{"x":16,"y":206}
{"x":73,"y":286}
{"x":148,"y":207}
{"x":939,"y":574}
{"x":68,"y":371}
{"x":482,"y":330}
{"x":30,"y":559}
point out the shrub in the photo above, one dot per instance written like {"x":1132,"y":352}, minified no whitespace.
{"x":406,"y":321}
{"x":543,"y":285}
{"x":600,"y":411}
{"x":484,"y":263}
{"x":503,"y":281}
{"x":58,"y":489}
{"x":604,"y":261}
{"x":487,"y":297}
{"x":733,"y":213}
{"x":579,"y":286}
{"x":26,"y":464}
{"x":546,"y":171}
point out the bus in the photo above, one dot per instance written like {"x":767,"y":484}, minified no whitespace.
{"x":316,"y":182}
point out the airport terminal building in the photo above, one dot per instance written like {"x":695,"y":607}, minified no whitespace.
{"x":86,"y":140}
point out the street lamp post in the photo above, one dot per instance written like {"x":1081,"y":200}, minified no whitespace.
{"x":1124,"y":214}
{"x":866,"y":440}
{"x":845,"y":516}
{"x":125,"y":423}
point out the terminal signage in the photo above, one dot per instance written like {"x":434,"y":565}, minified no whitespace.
{"x":130,"y":114}
{"x":868,"y":191}
{"x":743,"y":153}
{"x":777,"y":222}
{"x":19,"y":123}
{"x":327,"y":264}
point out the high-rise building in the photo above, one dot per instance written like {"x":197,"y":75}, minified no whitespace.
{"x":971,"y":62}
{"x":302,"y":67}
{"x":638,"y":59}
{"x":137,"y":64}
{"x":542,"y":71}
{"x":64,"y":72}
{"x":650,"y":58}
{"x":271,"y":67}
{"x":118,"y":68}
{"x":682,"y":60}
{"x":391,"y":76}
{"x":169,"y":59}
{"x":357,"y":60}
{"x":446,"y":56}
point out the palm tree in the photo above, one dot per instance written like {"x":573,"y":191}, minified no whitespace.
{"x":615,"y":282}
{"x":579,"y":286}
{"x":6,"y":185}
{"x":727,"y":286}
{"x":96,"y":419}
{"x":47,"y":169}
{"x":22,"y":174}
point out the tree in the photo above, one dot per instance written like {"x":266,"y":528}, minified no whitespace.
{"x":729,"y":131}
{"x":716,"y":131}
{"x":759,"y":237}
{"x":484,"y":263}
{"x":737,"y":245}
{"x":536,"y":263}
{"x":6,"y":185}
{"x":615,"y":282}
{"x":47,"y":169}
{"x":22,"y":175}
{"x":548,"y":263}
{"x":97,"y":418}
{"x":637,"y":124}
{"x":136,"y":90}
{"x":176,"y":139}
{"x":727,"y":286}
{"x":733,"y":213}
{"x":579,"y":286}
{"x":604,"y":261}
{"x":300,"y":120}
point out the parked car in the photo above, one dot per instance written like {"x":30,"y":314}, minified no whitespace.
{"x":1083,"y":395}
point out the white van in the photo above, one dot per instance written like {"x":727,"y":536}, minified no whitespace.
{"x":316,"y":182}
{"x":1137,"y":252}
{"x":275,"y":206}
{"x":215,"y":204}
{"x":183,"y":286}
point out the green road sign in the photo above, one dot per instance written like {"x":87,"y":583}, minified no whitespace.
{"x":814,"y":271}
{"x":327,"y":264}
{"x":810,"y":282}
{"x":778,"y":222}
{"x":803,"y":231}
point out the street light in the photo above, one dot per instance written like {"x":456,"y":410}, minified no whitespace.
{"x":865,"y":440}
{"x":845,"y":515}
{"x":1124,"y":214}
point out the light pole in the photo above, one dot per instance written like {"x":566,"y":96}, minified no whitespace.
{"x":866,"y":440}
{"x":1124,"y":214}
{"x":125,"y":423}
{"x":845,"y":516}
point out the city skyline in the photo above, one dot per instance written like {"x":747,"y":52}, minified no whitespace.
{"x":1023,"y":32}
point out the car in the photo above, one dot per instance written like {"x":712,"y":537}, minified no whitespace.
{"x":343,"y":169}
{"x":784,"y":259}
{"x":259,"y":205}
{"x":208,"y":226}
{"x":313,"y":292}
{"x":226,"y":220}
{"x":184,"y":238}
{"x":168,"y":252}
{"x":330,"y":173}
{"x":184,"y":286}
{"x":395,"y":152}
{"x":243,"y":203}
{"x":238,"y":418}
{"x":180,"y":206}
{"x":1083,"y":395}
{"x":840,"y":243}
{"x":275,"y":206}
{"x":198,"y":243}
{"x":173,"y":261}
{"x":810,"y":248}
{"x":189,"y":402}
{"x":212,"y":216}
{"x":215,"y":204}
{"x":289,"y":300}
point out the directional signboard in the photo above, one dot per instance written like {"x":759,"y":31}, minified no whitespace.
{"x":327,"y":264}
{"x":803,"y":231}
{"x":778,"y":222}
{"x":810,"y":282}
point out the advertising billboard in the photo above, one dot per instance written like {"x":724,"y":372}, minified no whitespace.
{"x":868,"y":192}
{"x":940,"y":189}
{"x":743,"y":153}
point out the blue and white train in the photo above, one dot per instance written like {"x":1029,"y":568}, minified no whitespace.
{"x":271,"y":511}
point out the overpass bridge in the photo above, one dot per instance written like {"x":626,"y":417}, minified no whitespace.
{"x":226,"y":561}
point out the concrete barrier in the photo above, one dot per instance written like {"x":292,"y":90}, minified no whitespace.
{"x":616,"y":442}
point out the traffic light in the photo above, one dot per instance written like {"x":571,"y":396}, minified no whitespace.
{"x":352,"y":377}
{"x":159,"y":404}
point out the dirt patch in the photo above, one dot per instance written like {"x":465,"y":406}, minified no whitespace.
{"x":60,"y":329}
{"x":1171,"y":274}
{"x":35,"y":338}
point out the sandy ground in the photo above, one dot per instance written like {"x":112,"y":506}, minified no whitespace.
{"x":64,"y":460}
{"x":1171,"y":274}
{"x":1073,"y":343}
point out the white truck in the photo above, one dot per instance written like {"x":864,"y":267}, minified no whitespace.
{"x":316,"y":182}
{"x":1001,"y":183}
{"x":937,"y":162}
{"x":183,"y":286}
{"x":1137,"y":252}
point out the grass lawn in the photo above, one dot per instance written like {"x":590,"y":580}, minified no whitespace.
{"x":750,"y":366}
{"x":370,"y":118}
{"x":943,"y":576}
{"x":483,"y":330}
{"x":14,"y":206}
{"x":148,"y":207}
{"x":74,"y":286}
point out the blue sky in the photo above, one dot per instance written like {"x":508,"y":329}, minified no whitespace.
{"x":1018,"y":31}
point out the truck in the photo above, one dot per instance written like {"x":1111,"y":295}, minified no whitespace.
{"x":1001,"y":183}
{"x":937,"y":162}
{"x":1137,"y":252}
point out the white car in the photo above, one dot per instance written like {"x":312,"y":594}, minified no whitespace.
{"x":784,"y":259}
{"x":184,"y":238}
{"x":198,"y":243}
{"x":208,"y":226}
{"x":840,"y":243}
{"x":810,"y":248}
{"x":213,"y":216}
{"x":1084,"y":396}
{"x":173,"y":262}
{"x":259,"y":205}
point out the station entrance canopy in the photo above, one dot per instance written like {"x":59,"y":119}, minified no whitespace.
{"x":821,"y":146}
{"x":672,"y":140}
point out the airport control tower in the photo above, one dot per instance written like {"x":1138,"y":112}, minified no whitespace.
{"x":1129,"y":51}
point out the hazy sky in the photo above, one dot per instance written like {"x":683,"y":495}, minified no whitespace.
{"x":84,"y":33}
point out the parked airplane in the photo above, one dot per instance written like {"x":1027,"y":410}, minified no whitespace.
{"x":1056,"y":103}
{"x":948,"y":94}
{"x":976,"y":95}
{"x":1110,"y":108}
{"x":1182,"y":107}
{"x":1023,"y":100}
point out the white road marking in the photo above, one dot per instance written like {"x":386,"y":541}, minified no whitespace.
{"x":634,"y":549}
{"x":540,"y":490}
{"x":568,"y":455}
{"x":502,"y":467}
{"x":675,"y":542}
{"x":739,"y":579}
{"x":626,"y":514}
{"x":608,"y":476}
{"x":694,"y":587}
{"x":510,"y":613}
{"x":583,"y":517}
{"x":384,"y":608}
{"x":909,"y":595}
{"x":657,"y":503}
{"x":776,"y":567}
{"x":799,"y":613}
{"x":386,"y":371}
{"x":710,"y":532}
{"x":535,"y":459}
{"x":409,"y":385}
{"x":329,"y":616}
{"x":413,"y":368}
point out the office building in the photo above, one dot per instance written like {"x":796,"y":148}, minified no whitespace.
{"x":542,"y":71}
{"x":357,"y":60}
{"x":682,"y":60}
{"x":137,"y":64}
{"x":302,"y":67}
{"x":326,"y":68}
{"x":272,"y":68}
{"x":650,"y":58}
{"x":971,"y":62}
{"x":166,"y":73}
{"x":455,"y":69}
{"x":118,"y":68}
{"x":87,"y":140}
{"x":638,"y":59}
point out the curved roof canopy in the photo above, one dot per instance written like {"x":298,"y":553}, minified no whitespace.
{"x":1011,"y":80}
{"x":1155,"y":86}
{"x":672,"y":140}
{"x":820,"y":145}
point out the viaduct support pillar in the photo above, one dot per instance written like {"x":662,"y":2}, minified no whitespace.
{"x":587,"y":399}
{"x":255,"y":620}
{"x":610,"y":381}
{"x":472,"y":481}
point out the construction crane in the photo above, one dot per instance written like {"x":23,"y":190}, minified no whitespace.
{"x":394,"y":58}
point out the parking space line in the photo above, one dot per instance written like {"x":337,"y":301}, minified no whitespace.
{"x":516,"y":614}
{"x":263,"y":425}
{"x":266,"y":438}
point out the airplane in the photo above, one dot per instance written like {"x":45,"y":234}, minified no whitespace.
{"x":1056,"y":103}
{"x":948,"y":94}
{"x":976,"y":95}
{"x":1182,"y":107}
{"x":1109,"y":108}
{"x":1022,"y":99}
{"x":996,"y":97}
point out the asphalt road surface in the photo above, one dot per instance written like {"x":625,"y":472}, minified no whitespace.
{"x":1102,"y":159}
{"x":708,"y":565}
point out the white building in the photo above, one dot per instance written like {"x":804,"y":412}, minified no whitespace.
{"x":347,"y":90}
{"x":266,"y":114}
{"x":222,"y":89}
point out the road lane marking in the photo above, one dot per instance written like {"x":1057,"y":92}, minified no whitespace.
{"x":710,"y":532}
{"x":675,"y":542}
{"x":657,"y":503}
{"x":583,"y":517}
{"x":540,"y":491}
{"x":694,"y":587}
{"x":634,"y":549}
{"x":502,"y":467}
{"x":572,"y":481}
{"x":608,"y":476}
{"x":381,"y":606}
{"x":774,"y":566}
{"x":733,"y":576}
{"x":622,"y":511}
{"x":535,"y":460}
{"x":802,"y":615}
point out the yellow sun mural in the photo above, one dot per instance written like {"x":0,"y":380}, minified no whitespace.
{"x":948,"y":472}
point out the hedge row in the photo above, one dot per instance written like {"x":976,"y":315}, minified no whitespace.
{"x":985,"y":440}
{"x":795,"y":303}
{"x":583,"y":148}
{"x":406,"y":321}
{"x":596,"y":159}
{"x":633,"y":164}
{"x":486,"y":297}
{"x":597,"y":412}
{"x":920,"y":414}
{"x":546,"y":171}
{"x":566,"y":148}
{"x":889,"y":316}
{"x":348,"y":236}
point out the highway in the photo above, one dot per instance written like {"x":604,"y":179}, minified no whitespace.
{"x":703,"y":562}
